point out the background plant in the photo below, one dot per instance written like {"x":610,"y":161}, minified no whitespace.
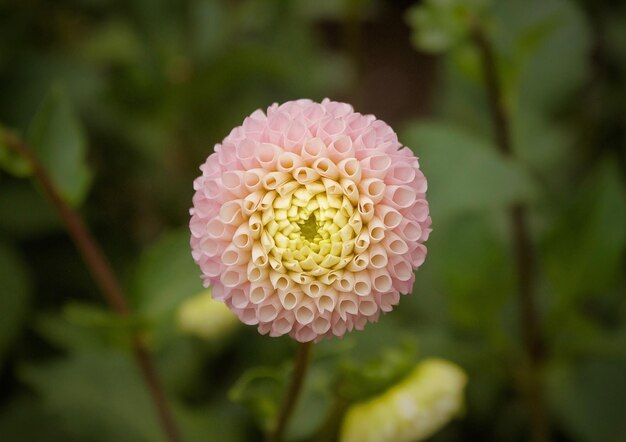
{"x":122,"y":101}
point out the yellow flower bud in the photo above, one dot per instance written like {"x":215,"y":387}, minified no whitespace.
{"x":204,"y":317}
{"x":411,"y":410}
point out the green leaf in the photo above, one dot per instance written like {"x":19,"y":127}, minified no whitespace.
{"x":542,"y":146}
{"x":83,"y":326}
{"x":472,"y":267}
{"x":114,"y":42}
{"x":14,"y":289}
{"x":165,"y":277}
{"x":548,"y":42}
{"x":583,"y":251}
{"x":25,"y":212}
{"x":440,"y":25}
{"x":314,"y":404}
{"x":18,"y":415}
{"x":96,"y":397}
{"x":360,"y":381}
{"x":260,"y":389}
{"x":67,"y":335}
{"x":465,"y":172}
{"x":588,"y":399}
{"x":59,"y":142}
{"x":223,"y":421}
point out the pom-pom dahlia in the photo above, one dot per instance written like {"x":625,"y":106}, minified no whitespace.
{"x":309,"y":220}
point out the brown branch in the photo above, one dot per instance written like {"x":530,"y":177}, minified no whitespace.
{"x":293,"y":392}
{"x":523,"y":249}
{"x":103,"y":274}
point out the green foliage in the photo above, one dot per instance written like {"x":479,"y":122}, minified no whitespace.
{"x":584,"y":250}
{"x":96,"y":396}
{"x":10,"y":161}
{"x":465,"y":172}
{"x":588,"y":398}
{"x":440,"y":25}
{"x":261,"y":390}
{"x":150,"y":86}
{"x":361,"y":380}
{"x":16,"y":422}
{"x":14,"y":296}
{"x":166,"y":275}
{"x":537,"y":77}
{"x":24,"y":212}
{"x":59,"y":143}
{"x":465,"y":253}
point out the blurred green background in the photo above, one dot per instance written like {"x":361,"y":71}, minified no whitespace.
{"x":123,"y":101}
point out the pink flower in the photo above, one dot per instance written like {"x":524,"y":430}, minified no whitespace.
{"x":309,"y":220}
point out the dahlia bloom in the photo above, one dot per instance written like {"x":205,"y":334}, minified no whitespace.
{"x":411,"y":410}
{"x":309,"y":220}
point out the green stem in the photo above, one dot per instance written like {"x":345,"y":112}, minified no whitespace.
{"x":103,"y":274}
{"x":293,"y":392}
{"x":523,"y":249}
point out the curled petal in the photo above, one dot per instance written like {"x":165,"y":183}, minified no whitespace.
{"x":376,"y":166}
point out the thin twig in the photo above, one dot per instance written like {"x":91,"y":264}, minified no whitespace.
{"x":103,"y":274}
{"x":523,"y":249}
{"x":293,"y":392}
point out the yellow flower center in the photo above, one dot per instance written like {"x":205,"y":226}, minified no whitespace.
{"x":307,"y":231}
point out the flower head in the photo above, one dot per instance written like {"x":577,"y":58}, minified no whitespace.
{"x":309,"y":220}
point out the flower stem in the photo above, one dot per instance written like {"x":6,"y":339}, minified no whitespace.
{"x":523,"y":249}
{"x":293,"y":392}
{"x":103,"y":274}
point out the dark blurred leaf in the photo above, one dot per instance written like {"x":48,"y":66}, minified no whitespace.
{"x":589,"y":397}
{"x":89,"y":315}
{"x":465,"y":173}
{"x":67,"y":335}
{"x":60,"y":144}
{"x":83,"y":326}
{"x":113,"y":43}
{"x":182,"y":361}
{"x":315,"y":401}
{"x":464,"y":254}
{"x":220,"y":421}
{"x":548,"y":42}
{"x":440,"y":25}
{"x":584,"y":250}
{"x":12,"y":162}
{"x":542,"y":52}
{"x":17,"y":422}
{"x":334,"y":10}
{"x":96,"y":397}
{"x":359,"y":381}
{"x":260,"y":389}
{"x":208,"y":26}
{"x":542,"y":146}
{"x":25,"y":212}
{"x":166,"y":275}
{"x":14,"y":289}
